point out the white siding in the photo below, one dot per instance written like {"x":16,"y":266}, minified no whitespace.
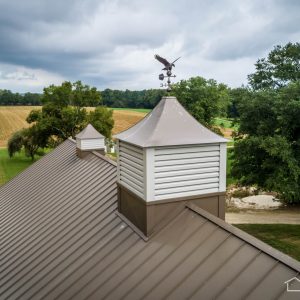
{"x":186,"y":171}
{"x":90,"y":144}
{"x":223,"y":160}
{"x":149,"y":173}
{"x":131,"y":168}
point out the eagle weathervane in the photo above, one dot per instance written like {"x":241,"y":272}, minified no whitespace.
{"x":168,"y":68}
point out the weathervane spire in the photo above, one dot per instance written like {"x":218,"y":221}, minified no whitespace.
{"x":168,"y":69}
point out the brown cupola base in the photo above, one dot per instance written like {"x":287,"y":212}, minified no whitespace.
{"x":149,"y":217}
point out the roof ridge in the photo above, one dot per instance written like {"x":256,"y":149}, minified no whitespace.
{"x":156,"y":125}
{"x":72,"y":140}
{"x":107,"y":159}
{"x":283,"y":258}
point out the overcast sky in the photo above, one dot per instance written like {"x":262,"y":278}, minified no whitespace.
{"x":111,"y":44}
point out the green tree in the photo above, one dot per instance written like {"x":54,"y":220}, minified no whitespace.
{"x":62,"y":116}
{"x":204,"y":99}
{"x":281,"y":67}
{"x":237,"y":96}
{"x":102,"y":120}
{"x":64,"y":111}
{"x":15,"y":143}
{"x":267,"y":148}
{"x":30,"y":139}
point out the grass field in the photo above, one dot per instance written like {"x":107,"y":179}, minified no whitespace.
{"x":10,"y":167}
{"x":283,"y":237}
{"x":226,"y":123}
{"x":140,"y":110}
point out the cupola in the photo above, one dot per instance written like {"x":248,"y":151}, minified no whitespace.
{"x":89,"y":139}
{"x":165,"y":160}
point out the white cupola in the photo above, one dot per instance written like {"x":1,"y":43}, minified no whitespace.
{"x":89,"y":139}
{"x":169,"y":156}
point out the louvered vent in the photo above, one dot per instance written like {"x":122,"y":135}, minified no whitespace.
{"x":131,"y":166}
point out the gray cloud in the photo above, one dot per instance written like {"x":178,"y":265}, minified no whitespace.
{"x":23,"y":75}
{"x":112,"y":43}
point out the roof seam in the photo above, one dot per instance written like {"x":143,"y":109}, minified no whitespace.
{"x":82,"y":254}
{"x":46,"y":274}
{"x":284,"y":289}
{"x":283,"y":258}
{"x":102,"y":258}
{"x":57,"y":247}
{"x":260,"y":280}
{"x":164,"y":259}
{"x":218,"y":269}
{"x":201,"y":262}
{"x":54,"y":208}
{"x":239,"y":273}
{"x":144,"y":247}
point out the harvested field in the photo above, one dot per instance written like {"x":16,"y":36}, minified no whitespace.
{"x":13,"y":118}
{"x":125,"y":119}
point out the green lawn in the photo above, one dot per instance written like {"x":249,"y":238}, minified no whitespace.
{"x":142,"y":110}
{"x":226,"y":123}
{"x":10,"y":167}
{"x":283,"y":237}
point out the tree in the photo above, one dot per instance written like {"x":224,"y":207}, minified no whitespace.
{"x":267,"y":148}
{"x":62,"y":116}
{"x":31,"y":139}
{"x":204,"y":99}
{"x":15,"y":143}
{"x":64,"y":111}
{"x":237,"y":96}
{"x":281,"y":67}
{"x":102,"y":120}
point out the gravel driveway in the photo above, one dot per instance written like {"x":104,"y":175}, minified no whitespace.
{"x":264,"y":217}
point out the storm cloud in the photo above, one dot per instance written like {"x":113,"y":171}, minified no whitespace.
{"x":111,"y":44}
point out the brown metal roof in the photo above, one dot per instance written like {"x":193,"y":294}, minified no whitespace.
{"x":61,"y":239}
{"x":89,"y":132}
{"x":169,"y":124}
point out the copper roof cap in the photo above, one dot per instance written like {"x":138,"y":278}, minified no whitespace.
{"x":169,"y":124}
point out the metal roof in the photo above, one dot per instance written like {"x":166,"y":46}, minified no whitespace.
{"x":61,"y":239}
{"x":169,"y":124}
{"x":89,"y":132}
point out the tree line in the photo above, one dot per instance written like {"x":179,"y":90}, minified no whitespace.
{"x":8,"y":98}
{"x":111,"y":98}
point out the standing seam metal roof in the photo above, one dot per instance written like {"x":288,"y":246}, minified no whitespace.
{"x":61,"y":239}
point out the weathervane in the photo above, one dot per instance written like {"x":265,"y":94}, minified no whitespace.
{"x":168,"y":69}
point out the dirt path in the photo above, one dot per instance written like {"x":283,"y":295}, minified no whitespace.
{"x":264,"y":217}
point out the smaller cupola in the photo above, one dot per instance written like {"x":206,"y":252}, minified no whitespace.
{"x":89,"y":139}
